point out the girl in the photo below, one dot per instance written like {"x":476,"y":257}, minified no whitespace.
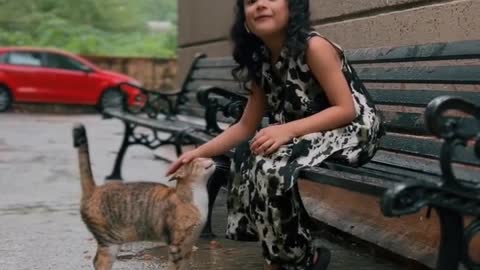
{"x":317,"y":108}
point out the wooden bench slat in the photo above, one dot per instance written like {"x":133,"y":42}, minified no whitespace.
{"x":157,"y":124}
{"x":464,"y":176}
{"x":216,"y":62}
{"x":372,"y":171}
{"x":414,"y":123}
{"x":389,"y":171}
{"x":413,"y":98}
{"x":212,"y":74}
{"x":398,"y":122}
{"x":374,"y":178}
{"x":424,"y":146}
{"x":351,"y":181}
{"x":415,"y":163}
{"x":431,"y":75}
{"x":391,"y":176}
{"x":430,"y":166}
{"x":192,"y":110}
{"x":427,"y":52}
{"x":194,"y":85}
{"x":394,"y":121}
{"x":416,"y":98}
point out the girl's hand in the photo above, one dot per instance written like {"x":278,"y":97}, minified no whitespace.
{"x":269,"y":139}
{"x":183,"y":159}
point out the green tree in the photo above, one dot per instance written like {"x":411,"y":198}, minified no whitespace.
{"x":113,"y":27}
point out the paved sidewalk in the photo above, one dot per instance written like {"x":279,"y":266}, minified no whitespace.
{"x":40,"y":226}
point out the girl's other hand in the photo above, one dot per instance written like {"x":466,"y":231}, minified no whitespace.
{"x":269,"y":139}
{"x":183,"y":159}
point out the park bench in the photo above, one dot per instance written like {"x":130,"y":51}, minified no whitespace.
{"x":413,"y":87}
{"x":172,"y":114}
{"x":427,"y":159}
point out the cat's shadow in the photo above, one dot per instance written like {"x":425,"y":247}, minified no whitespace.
{"x":157,"y":250}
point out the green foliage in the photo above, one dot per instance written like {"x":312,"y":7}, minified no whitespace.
{"x":102,"y":27}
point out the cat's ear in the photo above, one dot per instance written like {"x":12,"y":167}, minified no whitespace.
{"x":173,"y":178}
{"x":179,"y":174}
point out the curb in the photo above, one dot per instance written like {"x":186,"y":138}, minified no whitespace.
{"x":53,"y":109}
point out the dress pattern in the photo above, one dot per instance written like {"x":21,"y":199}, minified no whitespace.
{"x":263,"y":201}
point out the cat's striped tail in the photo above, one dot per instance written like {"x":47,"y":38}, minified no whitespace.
{"x":80,"y":141}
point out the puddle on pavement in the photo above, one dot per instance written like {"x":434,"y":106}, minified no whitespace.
{"x":209,"y":254}
{"x":41,"y":207}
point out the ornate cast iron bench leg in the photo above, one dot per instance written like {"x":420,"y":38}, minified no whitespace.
{"x":451,"y":242}
{"x":117,"y":168}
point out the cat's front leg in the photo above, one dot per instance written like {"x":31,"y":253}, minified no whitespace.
{"x":180,"y":255}
{"x":105,"y":257}
{"x":176,"y":258}
{"x":181,"y":245}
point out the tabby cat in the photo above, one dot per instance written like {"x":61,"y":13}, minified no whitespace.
{"x":117,"y":213}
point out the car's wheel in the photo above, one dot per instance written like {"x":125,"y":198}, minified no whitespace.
{"x":5,"y":99}
{"x":111,"y":98}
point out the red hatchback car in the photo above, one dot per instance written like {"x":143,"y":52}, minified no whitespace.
{"x":54,"y":76}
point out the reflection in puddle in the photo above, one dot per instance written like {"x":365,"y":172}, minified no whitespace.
{"x":208,"y":254}
{"x":40,"y":207}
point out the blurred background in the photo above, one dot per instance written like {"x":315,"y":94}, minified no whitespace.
{"x":62,"y":57}
{"x":92,"y":27}
{"x":98,"y":45}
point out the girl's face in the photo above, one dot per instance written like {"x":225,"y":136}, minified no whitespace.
{"x":266,"y":17}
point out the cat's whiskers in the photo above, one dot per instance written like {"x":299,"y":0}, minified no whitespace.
{"x":222,"y":166}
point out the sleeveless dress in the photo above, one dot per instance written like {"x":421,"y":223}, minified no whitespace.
{"x":262,"y":205}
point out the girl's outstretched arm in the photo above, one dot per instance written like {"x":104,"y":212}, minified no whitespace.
{"x":232,"y":136}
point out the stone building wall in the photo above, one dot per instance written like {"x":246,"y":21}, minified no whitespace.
{"x":204,"y":24}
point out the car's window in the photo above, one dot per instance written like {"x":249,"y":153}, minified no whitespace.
{"x":3,"y":58}
{"x":25,"y":58}
{"x":63,"y":62}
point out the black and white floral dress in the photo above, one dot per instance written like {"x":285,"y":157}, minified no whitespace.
{"x":261,"y":203}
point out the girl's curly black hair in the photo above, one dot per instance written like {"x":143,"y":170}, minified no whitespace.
{"x":246,"y":45}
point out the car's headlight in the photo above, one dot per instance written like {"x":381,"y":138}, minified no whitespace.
{"x":135,"y":82}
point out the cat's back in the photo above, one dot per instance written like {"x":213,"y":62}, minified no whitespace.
{"x":113,"y":193}
{"x":117,"y":212}
{"x":126,"y":202}
{"x":135,"y":188}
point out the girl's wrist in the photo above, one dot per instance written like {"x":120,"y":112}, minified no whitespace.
{"x":197,"y":152}
{"x":202,"y":151}
{"x":291,"y":130}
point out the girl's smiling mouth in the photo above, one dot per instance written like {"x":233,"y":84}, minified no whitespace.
{"x":262,"y":17}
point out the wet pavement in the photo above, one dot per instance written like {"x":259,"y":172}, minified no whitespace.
{"x":40,"y":225}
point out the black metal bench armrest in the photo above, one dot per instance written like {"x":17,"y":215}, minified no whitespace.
{"x":450,"y":193}
{"x":152,"y":106}
{"x":448,"y":128}
{"x":215,"y":100}
{"x":453,"y":131}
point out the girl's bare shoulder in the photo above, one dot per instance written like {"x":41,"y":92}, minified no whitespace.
{"x":321,"y":54}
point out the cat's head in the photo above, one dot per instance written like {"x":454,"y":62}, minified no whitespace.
{"x":198,"y":170}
